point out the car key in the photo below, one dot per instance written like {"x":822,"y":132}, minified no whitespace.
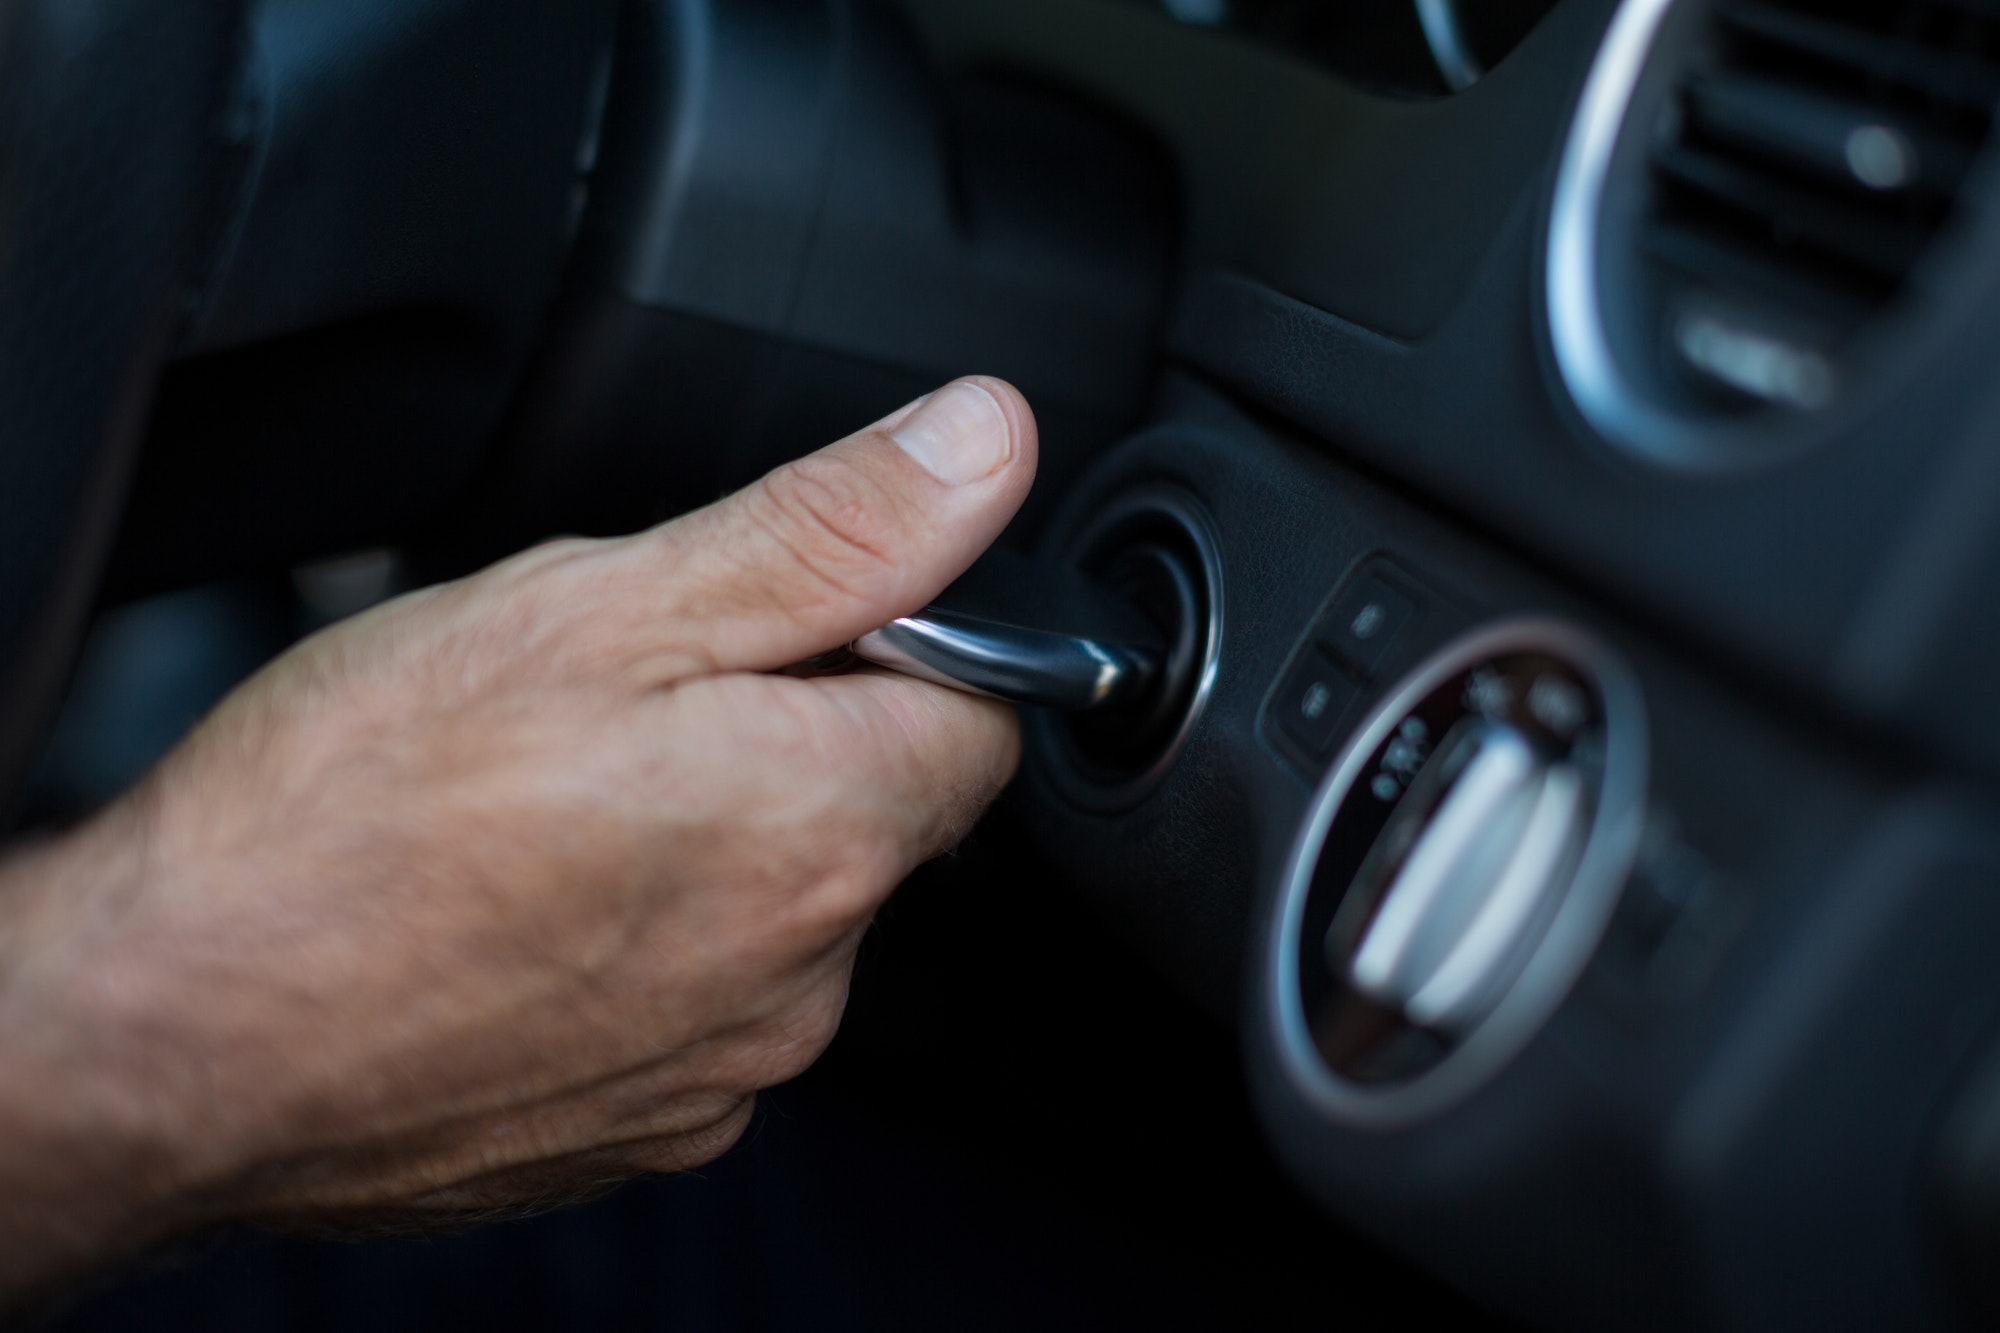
{"x":1027,"y":631}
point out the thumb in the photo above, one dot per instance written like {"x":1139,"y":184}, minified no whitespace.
{"x":845,"y":540}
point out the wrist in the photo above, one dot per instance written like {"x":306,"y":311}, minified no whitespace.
{"x":96,"y":1149}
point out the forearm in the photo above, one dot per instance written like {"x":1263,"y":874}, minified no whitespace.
{"x":91,"y":1161}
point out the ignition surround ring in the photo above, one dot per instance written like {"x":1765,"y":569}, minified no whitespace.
{"x":1151,"y":520}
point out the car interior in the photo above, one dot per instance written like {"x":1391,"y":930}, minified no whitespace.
{"x":1550,"y":875}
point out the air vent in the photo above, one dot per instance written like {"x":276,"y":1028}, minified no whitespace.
{"x":1773,"y":179}
{"x":1807,"y":165}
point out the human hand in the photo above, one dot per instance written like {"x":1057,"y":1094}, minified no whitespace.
{"x":510,"y":886}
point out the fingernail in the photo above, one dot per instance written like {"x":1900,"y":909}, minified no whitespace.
{"x":959,"y":434}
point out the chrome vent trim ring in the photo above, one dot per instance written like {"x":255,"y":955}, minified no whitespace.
{"x":1577,"y":336}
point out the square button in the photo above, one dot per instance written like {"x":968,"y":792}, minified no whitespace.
{"x":1363,"y":625}
{"x":1313,"y":700}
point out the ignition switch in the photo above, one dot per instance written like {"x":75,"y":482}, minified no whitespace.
{"x":1117,"y":640}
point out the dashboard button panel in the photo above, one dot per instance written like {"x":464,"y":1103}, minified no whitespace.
{"x":1377,"y":620}
{"x":1316,"y":696}
{"x":1365,"y":623}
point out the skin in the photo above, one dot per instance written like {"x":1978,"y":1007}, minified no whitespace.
{"x":507,"y":888}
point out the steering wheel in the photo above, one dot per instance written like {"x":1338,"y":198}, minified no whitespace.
{"x":113,"y":152}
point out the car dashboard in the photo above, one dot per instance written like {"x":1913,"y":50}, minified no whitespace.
{"x":1563,"y":434}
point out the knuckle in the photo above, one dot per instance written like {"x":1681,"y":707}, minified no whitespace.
{"x":725,"y":1133}
{"x":802,"y":1041}
{"x":836,"y":522}
{"x":791,"y":1040}
{"x":558,"y":550}
{"x":847,"y":891}
{"x":697,"y":1145}
{"x":542,"y":558}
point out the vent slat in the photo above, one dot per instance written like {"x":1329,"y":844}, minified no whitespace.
{"x":1719,"y":263}
{"x":1843,"y":143}
{"x":1797,"y":217}
{"x":1957,"y":77}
